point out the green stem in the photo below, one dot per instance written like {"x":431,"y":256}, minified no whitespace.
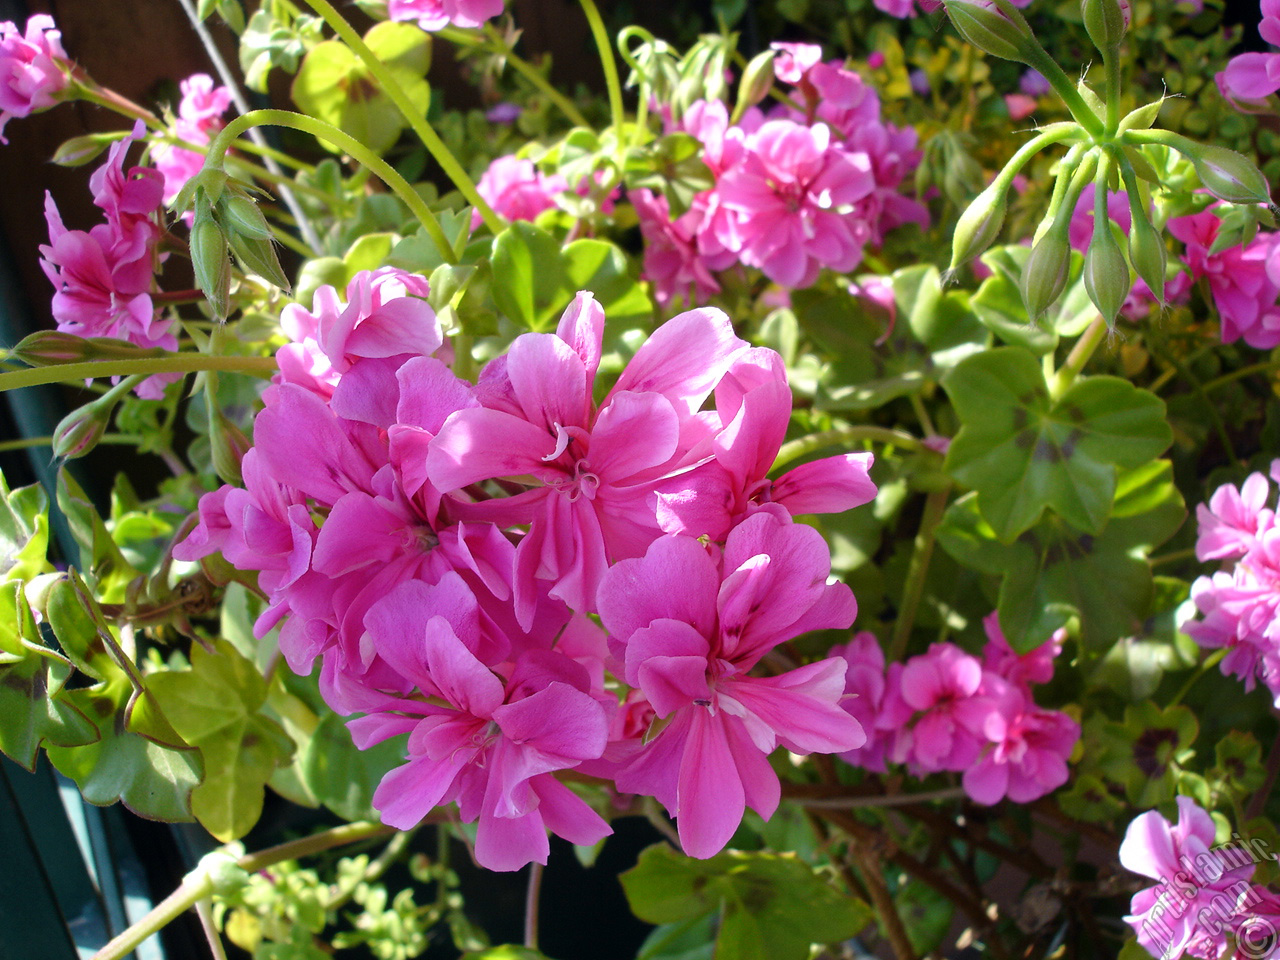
{"x":843,"y":436}
{"x":1269,"y":366}
{"x":172,"y":363}
{"x":357,"y":150}
{"x":123,"y":439}
{"x":1206,"y":665}
{"x":417,"y":123}
{"x":935,"y":505}
{"x":198,"y":885}
{"x":1111,"y":66}
{"x":610,"y":65}
{"x":498,"y":44}
{"x":83,"y":87}
{"x":1078,"y":357}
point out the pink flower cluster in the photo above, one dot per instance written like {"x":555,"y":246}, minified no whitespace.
{"x":438,"y":545}
{"x":1244,"y":280}
{"x":517,"y":190}
{"x":33,"y":68}
{"x":104,"y":277}
{"x":947,"y":710}
{"x":438,"y":14}
{"x":795,"y":191}
{"x":1203,"y":894}
{"x":1239,"y":607}
{"x":199,"y":118}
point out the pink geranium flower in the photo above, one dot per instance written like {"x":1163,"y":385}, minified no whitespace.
{"x":1228,"y":526}
{"x":1169,"y":918}
{"x":487,"y":743}
{"x":592,"y":472}
{"x":33,"y":68}
{"x":1244,"y":280}
{"x":517,"y":190}
{"x":788,"y":202}
{"x":691,"y":629}
{"x":437,"y":14}
{"x":199,"y":118}
{"x":937,"y":689}
{"x":672,"y":262}
{"x":1253,"y":76}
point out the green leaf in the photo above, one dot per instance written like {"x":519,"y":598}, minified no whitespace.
{"x":1024,"y":452}
{"x":506,"y":952}
{"x":692,"y":939}
{"x":335,"y":86}
{"x":24,"y":532}
{"x":32,"y":711}
{"x":534,"y":280}
{"x":215,"y":706}
{"x":342,"y":777}
{"x":1052,"y":573}
{"x":772,"y":906}
{"x":998,"y":304}
{"x":99,"y":555}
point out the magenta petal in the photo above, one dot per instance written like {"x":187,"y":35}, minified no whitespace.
{"x":302,"y":446}
{"x":566,"y":814}
{"x":582,"y":328}
{"x":1252,"y":76}
{"x":429,"y":392}
{"x":760,"y":785}
{"x":711,"y":799}
{"x":676,"y":579}
{"x":549,"y":380}
{"x":554,"y":728}
{"x":478,"y":444}
{"x":802,"y":707}
{"x":830,"y":485}
{"x":634,"y":433}
{"x":986,"y":781}
{"x":684,"y":358}
{"x":409,"y":793}
{"x":358,"y":531}
{"x":462,"y":679}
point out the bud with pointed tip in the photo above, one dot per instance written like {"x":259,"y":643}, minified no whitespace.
{"x":1147,"y":251}
{"x":80,"y":430}
{"x":980,"y":223}
{"x":984,"y":26}
{"x":1044,"y":276}
{"x":210,"y":261}
{"x":48,"y":347}
{"x":757,"y":79}
{"x":228,"y":445}
{"x":1229,"y":175}
{"x":1106,"y":274}
{"x":1106,"y":21}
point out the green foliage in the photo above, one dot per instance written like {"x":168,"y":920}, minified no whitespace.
{"x":769,"y":905}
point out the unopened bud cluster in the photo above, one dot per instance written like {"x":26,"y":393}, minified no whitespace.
{"x":1107,"y":149}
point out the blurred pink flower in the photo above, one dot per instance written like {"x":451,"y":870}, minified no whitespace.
{"x":1253,"y":76}
{"x":437,"y":14}
{"x":31,"y":68}
{"x":517,"y":190}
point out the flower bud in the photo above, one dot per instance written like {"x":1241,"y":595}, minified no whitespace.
{"x":987,"y":28}
{"x":1229,"y":175}
{"x":1044,"y":276}
{"x":980,"y":223}
{"x":78,"y":151}
{"x":80,"y":430}
{"x":47,"y":347}
{"x":259,"y":256}
{"x":1106,"y":274}
{"x":757,"y":78}
{"x":228,"y":445}
{"x":238,"y":214}
{"x":210,"y":261}
{"x":1147,"y":251}
{"x":1106,"y":21}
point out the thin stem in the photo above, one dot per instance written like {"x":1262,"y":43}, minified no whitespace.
{"x":357,"y":150}
{"x":890,"y":920}
{"x":26,"y":443}
{"x":1259,"y":798}
{"x":610,"y":66}
{"x":498,"y":43}
{"x":417,"y":122}
{"x":843,"y":436}
{"x":1268,"y":366}
{"x":1111,"y":66}
{"x":935,"y":505}
{"x":1078,"y":357}
{"x":1206,"y":665}
{"x":86,"y":88}
{"x":172,"y":363}
{"x":531,"y":898}
{"x":242,"y":106}
{"x":204,"y":909}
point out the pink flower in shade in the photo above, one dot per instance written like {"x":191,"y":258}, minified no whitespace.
{"x":937,"y":688}
{"x":1244,"y":280}
{"x":1254,"y":76}
{"x":896,"y":8}
{"x":864,"y":687}
{"x":1020,"y":106}
{"x":893,"y":156}
{"x":199,"y":117}
{"x":788,"y":202}
{"x":671,"y":259}
{"x":1025,"y":748}
{"x":1169,"y":918}
{"x":795,"y":60}
{"x":437,"y":14}
{"x":489,"y":742}
{"x":1020,"y":669}
{"x":1230,"y":523}
{"x":32,"y":70}
{"x":691,"y":629}
{"x":517,"y":190}
{"x":593,"y":472}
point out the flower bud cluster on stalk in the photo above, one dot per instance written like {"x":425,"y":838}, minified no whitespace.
{"x":1105,"y":148}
